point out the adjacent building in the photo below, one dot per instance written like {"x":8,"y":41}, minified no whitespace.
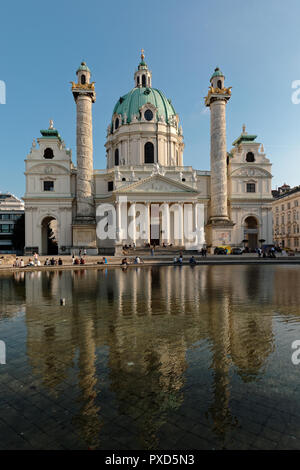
{"x":144,"y":155}
{"x":11,"y":209}
{"x":286,"y":217}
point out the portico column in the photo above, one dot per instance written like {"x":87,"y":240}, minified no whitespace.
{"x":118,"y":221}
{"x":166,"y":222}
{"x":133,"y":222}
{"x":181,"y":222}
{"x":148,"y":222}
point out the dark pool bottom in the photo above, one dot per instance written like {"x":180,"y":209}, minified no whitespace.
{"x":152,"y":358}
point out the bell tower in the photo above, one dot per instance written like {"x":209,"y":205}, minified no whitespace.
{"x":143,"y":76}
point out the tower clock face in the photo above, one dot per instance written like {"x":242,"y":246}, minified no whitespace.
{"x":148,"y":115}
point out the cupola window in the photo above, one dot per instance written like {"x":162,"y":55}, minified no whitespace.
{"x":149,"y":152}
{"x":117,"y":122}
{"x":48,"y":153}
{"x":83,"y":81}
{"x":148,"y":115}
{"x":219,"y":84}
{"x":143,"y":80}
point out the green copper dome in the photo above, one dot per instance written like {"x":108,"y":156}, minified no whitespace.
{"x":217,"y":73}
{"x":83,"y":67}
{"x":131,"y":103}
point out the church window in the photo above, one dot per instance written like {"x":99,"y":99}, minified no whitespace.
{"x":123,"y":179}
{"x":149,"y":152}
{"x":48,"y":153}
{"x":219,"y":84}
{"x":148,"y":115}
{"x":117,"y":122}
{"x":250,"y":157}
{"x":143,"y":80}
{"x":138,"y":80}
{"x":48,"y":185}
{"x":117,"y":157}
{"x":83,"y":80}
{"x":110,"y":186}
{"x":250,"y":187}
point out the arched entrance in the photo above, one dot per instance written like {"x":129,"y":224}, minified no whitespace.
{"x":49,"y":236}
{"x":251,"y":232}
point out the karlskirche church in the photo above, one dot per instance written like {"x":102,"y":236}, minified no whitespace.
{"x":144,"y":165}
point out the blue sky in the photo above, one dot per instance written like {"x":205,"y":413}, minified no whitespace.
{"x":256,"y":45}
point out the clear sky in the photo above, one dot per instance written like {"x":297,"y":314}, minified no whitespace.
{"x":255,"y":43}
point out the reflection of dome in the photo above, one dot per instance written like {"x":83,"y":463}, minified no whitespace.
{"x":131,"y":103}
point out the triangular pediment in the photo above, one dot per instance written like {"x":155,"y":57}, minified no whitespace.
{"x":157,"y":184}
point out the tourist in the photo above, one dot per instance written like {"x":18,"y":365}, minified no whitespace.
{"x":76,"y":261}
{"x":137,"y":260}
{"x":152,"y":251}
{"x":47,"y":262}
{"x":52,"y":262}
{"x":124,"y":262}
{"x":175,"y":260}
{"x":30,"y":262}
{"x":84,"y":252}
{"x":16,"y":263}
{"x":38,"y":263}
{"x":82,"y":261}
{"x":180,"y":259}
{"x":22,"y":263}
{"x":60,"y":262}
{"x":193,"y":260}
{"x":104,"y":261}
{"x":35,"y":257}
{"x":80,"y":251}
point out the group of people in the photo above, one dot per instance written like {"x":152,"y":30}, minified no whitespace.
{"x":53,"y":262}
{"x":270,"y":253}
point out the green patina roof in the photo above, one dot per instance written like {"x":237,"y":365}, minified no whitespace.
{"x":50,"y":133}
{"x":217,"y":73}
{"x":131,"y":103}
{"x":244,"y":138}
{"x":83,"y":67}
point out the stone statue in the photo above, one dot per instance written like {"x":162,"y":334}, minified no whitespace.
{"x":51,"y":124}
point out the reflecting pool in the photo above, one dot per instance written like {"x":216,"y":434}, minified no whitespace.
{"x":151,"y":358}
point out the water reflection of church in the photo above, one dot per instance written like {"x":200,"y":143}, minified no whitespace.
{"x":135,"y":335}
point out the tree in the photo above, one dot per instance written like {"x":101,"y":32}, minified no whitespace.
{"x":18,"y":236}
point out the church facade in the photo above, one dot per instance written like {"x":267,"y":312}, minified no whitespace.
{"x":145,"y":180}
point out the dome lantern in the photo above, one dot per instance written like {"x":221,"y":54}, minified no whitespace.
{"x":143,"y":76}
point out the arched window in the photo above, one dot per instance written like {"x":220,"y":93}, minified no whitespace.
{"x":117,"y":122}
{"x":149,"y":152}
{"x":250,"y":157}
{"x":143,"y":80}
{"x":83,"y":80}
{"x":48,"y":153}
{"x":219,"y":84}
{"x":138,"y":80}
{"x":117,"y":157}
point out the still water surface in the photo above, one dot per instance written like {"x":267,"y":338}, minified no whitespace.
{"x":151,"y":358}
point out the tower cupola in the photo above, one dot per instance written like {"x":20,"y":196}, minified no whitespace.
{"x":143,"y":76}
{"x":217,"y":79}
{"x":83,"y":74}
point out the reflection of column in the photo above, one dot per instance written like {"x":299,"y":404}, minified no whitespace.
{"x":134,"y":291}
{"x":149,"y":291}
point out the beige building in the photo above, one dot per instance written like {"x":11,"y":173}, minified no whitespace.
{"x":286,"y":217}
{"x":144,"y":155}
